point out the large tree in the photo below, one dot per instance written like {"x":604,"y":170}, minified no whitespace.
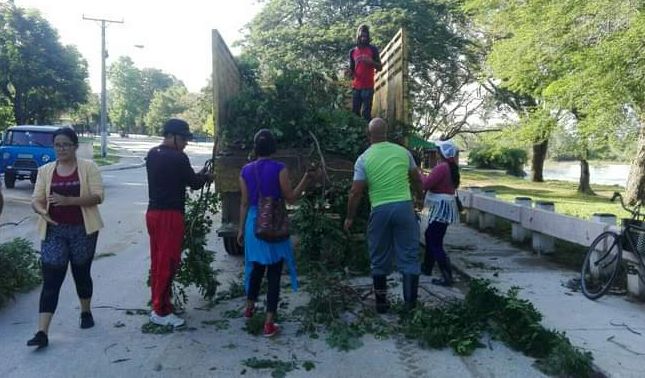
{"x":545,"y":50}
{"x":125,"y":94}
{"x":132,"y":91}
{"x":153,"y":80}
{"x":39,"y":77}
{"x":165,"y":104}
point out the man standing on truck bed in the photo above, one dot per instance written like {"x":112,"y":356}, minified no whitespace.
{"x":388,"y":170}
{"x":364,"y":60}
{"x":169,"y":173}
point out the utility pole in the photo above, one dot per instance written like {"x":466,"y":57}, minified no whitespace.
{"x":103,"y":126}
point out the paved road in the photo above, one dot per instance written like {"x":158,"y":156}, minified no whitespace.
{"x":117,"y":347}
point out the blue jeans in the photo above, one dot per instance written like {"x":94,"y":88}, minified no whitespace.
{"x":362,"y":98}
{"x":393,"y":232}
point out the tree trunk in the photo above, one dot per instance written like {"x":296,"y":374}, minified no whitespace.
{"x":584,"y":185}
{"x":635,"y":189}
{"x":537,"y":161}
{"x":19,"y":110}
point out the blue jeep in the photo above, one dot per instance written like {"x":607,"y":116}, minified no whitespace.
{"x":23,"y":150}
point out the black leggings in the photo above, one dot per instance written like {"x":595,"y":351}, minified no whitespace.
{"x":274,"y":272}
{"x":53,"y":277}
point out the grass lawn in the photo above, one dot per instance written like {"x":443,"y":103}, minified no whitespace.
{"x":111,"y":157}
{"x":563,"y":193}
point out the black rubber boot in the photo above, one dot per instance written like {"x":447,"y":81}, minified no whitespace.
{"x":410,"y":290}
{"x":428,"y":264}
{"x":446,"y":274}
{"x":380,"y":293}
{"x":87,"y":321}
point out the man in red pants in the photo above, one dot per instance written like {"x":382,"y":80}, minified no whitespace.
{"x":169,"y":173}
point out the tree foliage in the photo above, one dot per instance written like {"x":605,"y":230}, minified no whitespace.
{"x":126,"y":86}
{"x":315,"y":37}
{"x":39,"y":77}
{"x":580,"y":60}
{"x":165,"y":104}
{"x":132,"y":92}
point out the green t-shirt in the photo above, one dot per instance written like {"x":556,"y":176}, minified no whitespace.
{"x":386,"y":168}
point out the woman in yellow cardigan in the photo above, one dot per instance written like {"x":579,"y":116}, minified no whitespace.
{"x":66,"y":196}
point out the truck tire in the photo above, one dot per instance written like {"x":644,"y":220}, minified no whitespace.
{"x":9,"y":180}
{"x":231,"y":246}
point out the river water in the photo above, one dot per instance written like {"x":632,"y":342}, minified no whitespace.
{"x":601,"y":173}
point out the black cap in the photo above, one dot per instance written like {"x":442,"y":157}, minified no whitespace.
{"x":177,"y":126}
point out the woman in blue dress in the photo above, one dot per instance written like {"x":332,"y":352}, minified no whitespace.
{"x":268,"y":178}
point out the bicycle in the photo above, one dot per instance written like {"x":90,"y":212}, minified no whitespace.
{"x":605,"y":255}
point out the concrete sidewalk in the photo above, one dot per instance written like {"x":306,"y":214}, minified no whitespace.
{"x":612,"y":328}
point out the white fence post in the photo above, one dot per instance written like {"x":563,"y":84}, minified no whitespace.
{"x":635,"y":286}
{"x":518,"y":233}
{"x":542,"y":243}
{"x":603,"y":218}
{"x":472,"y":214}
{"x":485,"y":220}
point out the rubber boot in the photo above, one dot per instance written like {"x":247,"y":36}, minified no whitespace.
{"x":380,"y":293}
{"x":446,"y":274}
{"x":428,"y":264}
{"x":410,"y":290}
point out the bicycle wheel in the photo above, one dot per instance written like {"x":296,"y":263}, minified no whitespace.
{"x":601,"y":265}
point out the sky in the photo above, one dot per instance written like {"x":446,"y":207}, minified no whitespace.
{"x":175,"y":35}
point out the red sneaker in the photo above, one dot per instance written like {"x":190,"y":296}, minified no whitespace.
{"x":270,"y":329}
{"x":248,"y":312}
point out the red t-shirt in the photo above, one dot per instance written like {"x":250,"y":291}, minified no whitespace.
{"x":363,"y":72}
{"x":68,"y":186}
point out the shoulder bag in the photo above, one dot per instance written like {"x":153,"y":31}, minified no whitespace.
{"x":272,"y":222}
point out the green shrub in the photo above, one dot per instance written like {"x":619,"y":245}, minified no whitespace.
{"x":19,"y":268}
{"x":512,"y":160}
{"x":294,"y":104}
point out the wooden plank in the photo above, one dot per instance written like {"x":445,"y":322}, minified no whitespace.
{"x":226,"y":85}
{"x":503,"y":209}
{"x":390,"y":84}
{"x":563,"y":227}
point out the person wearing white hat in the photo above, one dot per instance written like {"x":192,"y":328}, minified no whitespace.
{"x":440,"y":185}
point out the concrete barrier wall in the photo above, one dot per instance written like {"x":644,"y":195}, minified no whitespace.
{"x":541,"y":225}
{"x":534,"y":220}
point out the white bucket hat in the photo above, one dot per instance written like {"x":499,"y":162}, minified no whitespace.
{"x":447,"y":149}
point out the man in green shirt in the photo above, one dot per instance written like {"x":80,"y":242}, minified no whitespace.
{"x":388,"y":171}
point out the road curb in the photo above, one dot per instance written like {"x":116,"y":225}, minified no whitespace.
{"x":109,"y":168}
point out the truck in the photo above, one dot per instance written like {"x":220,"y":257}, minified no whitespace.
{"x":23,"y":150}
{"x":390,"y":102}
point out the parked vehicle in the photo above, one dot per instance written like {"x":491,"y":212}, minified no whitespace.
{"x":390,"y":102}
{"x":23,"y":150}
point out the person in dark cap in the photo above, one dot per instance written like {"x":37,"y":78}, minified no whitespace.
{"x":364,"y":60}
{"x":169,"y":173}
